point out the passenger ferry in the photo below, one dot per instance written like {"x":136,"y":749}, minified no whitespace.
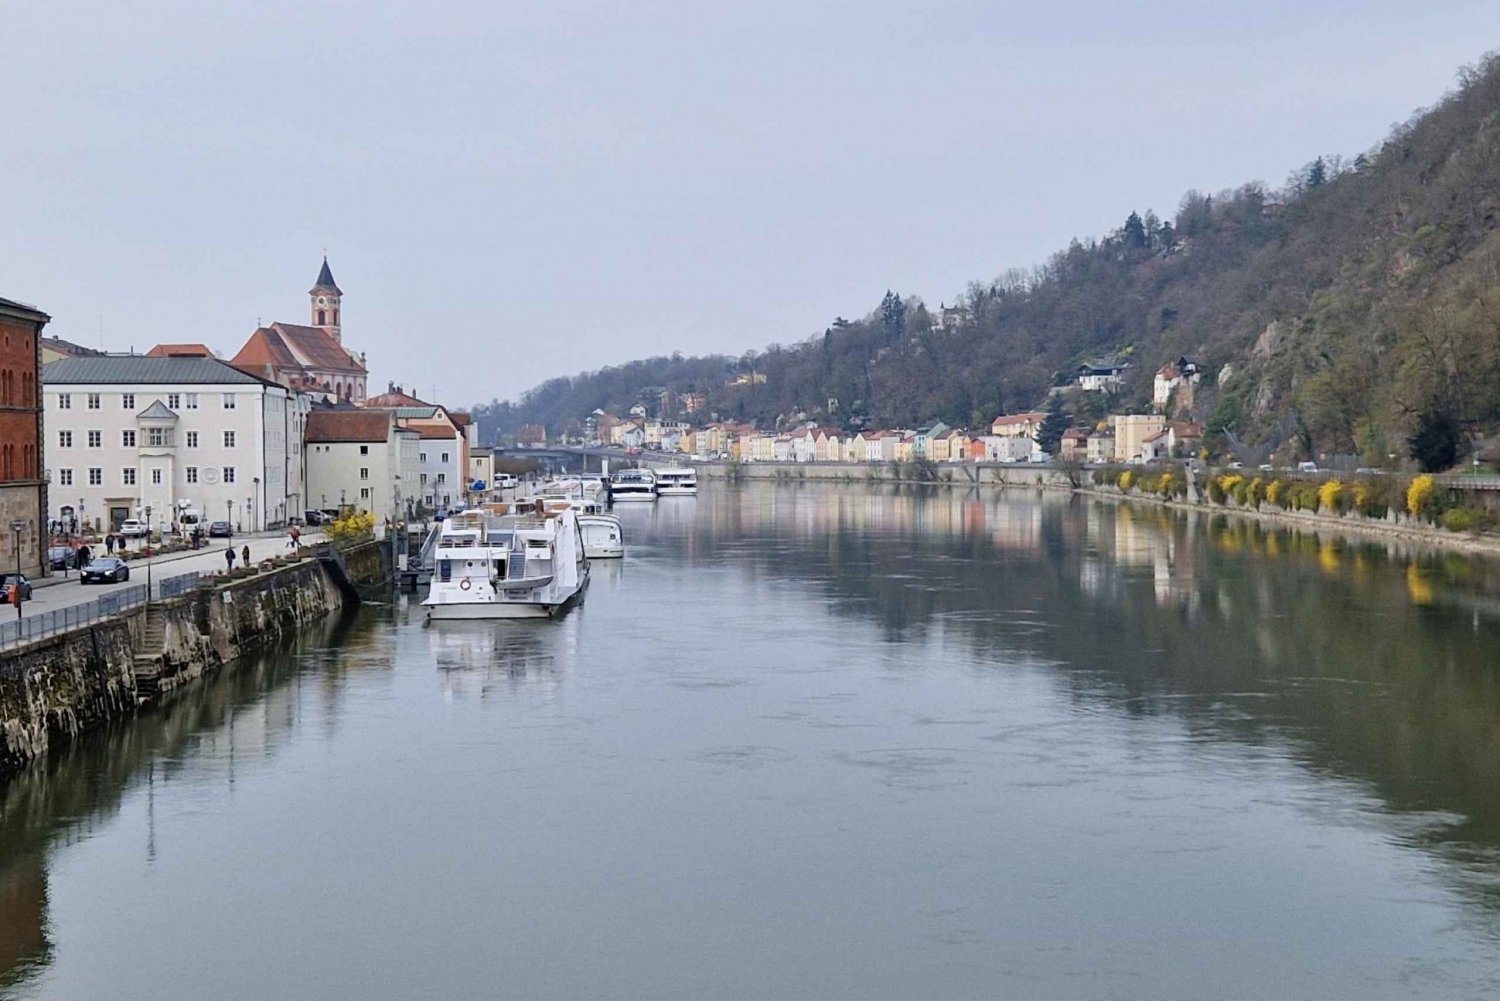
{"x":504,"y":563}
{"x":678,"y":481}
{"x":632,"y":485}
{"x":603,"y":536}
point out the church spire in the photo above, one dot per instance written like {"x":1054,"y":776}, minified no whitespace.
{"x":327,"y":300}
{"x":325,"y":277}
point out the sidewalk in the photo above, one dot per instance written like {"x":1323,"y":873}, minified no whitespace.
{"x":56,"y":592}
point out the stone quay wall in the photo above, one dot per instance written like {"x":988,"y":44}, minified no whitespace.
{"x":56,"y":688}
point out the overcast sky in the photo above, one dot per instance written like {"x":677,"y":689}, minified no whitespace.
{"x":513,"y":191}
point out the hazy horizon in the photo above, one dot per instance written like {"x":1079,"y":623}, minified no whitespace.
{"x":510,"y":195}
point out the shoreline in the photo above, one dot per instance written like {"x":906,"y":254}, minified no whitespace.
{"x":1433,"y":537}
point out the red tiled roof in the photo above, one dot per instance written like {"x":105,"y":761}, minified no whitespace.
{"x":395,"y":399}
{"x":460,"y":419}
{"x":1187,"y":429}
{"x":348,"y":425}
{"x":180,"y":351}
{"x":434,"y":431}
{"x":1009,"y":419}
{"x":265,"y":347}
{"x":318,"y":347}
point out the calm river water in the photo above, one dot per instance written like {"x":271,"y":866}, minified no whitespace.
{"x":816,"y":742}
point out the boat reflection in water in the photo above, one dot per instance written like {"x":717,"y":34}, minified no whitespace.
{"x":476,"y":658}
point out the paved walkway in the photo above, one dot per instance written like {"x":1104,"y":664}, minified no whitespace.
{"x":57,"y":592}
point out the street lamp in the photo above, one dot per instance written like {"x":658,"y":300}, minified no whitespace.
{"x":247,"y":515}
{"x":228,"y":512}
{"x":16,"y":525}
{"x":148,"y":554}
{"x":255,"y":511}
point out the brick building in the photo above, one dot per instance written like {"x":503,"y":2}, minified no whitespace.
{"x":23,"y":486}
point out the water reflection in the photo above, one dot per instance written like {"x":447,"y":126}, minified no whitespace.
{"x":962,"y":736}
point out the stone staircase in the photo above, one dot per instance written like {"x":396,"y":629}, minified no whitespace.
{"x":148,"y":656}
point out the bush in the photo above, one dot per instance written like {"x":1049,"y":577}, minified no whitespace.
{"x":1421,"y":496}
{"x":1276,"y":493}
{"x":1331,"y":497}
{"x":1255,"y":492}
{"x":1125,"y":480}
{"x":1166,"y":484}
{"x":1468,"y":519}
{"x":351,"y":527}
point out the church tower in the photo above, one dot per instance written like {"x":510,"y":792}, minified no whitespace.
{"x":325,"y":297}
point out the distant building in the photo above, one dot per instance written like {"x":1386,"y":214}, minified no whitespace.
{"x":56,"y":349}
{"x":313,"y":357}
{"x":1074,"y":445}
{"x":180,"y":351}
{"x":23,"y":486}
{"x":1101,"y":376}
{"x":362,"y":458}
{"x":1131,"y":432}
{"x":531,"y":436}
{"x":1101,"y":446}
{"x":1184,"y":372}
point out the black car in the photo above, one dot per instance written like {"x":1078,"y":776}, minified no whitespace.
{"x":221,"y":530}
{"x":7,"y":580}
{"x":313,"y":517}
{"x":61,"y":557}
{"x":105,"y":570}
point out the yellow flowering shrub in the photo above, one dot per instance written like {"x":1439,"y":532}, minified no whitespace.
{"x":1419,"y":496}
{"x":1125,"y":480}
{"x":351,"y":527}
{"x":1330,"y":496}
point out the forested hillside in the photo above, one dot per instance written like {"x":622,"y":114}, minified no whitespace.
{"x":1351,"y":310}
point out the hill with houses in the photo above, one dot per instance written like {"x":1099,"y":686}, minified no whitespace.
{"x":1352,"y":311}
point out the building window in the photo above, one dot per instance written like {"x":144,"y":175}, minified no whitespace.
{"x":127,"y":439}
{"x":192,"y":474}
{"x":364,"y":473}
{"x":192,"y":401}
{"x":228,"y":474}
{"x":442,"y":477}
{"x":65,"y":439}
{"x":445,"y":456}
{"x":127,"y":400}
{"x":156,"y":477}
{"x":229,"y":439}
{"x":424,"y":478}
{"x":93,"y":401}
{"x":364,"y":450}
{"x":127,"y":477}
{"x":423,"y":456}
{"x":228,"y":401}
{"x":174,"y":401}
{"x":96,"y":439}
{"x":64,"y":401}
{"x":65,"y":477}
{"x":96,"y":477}
{"x":364,"y":493}
{"x":192,"y":439}
{"x":159,"y":437}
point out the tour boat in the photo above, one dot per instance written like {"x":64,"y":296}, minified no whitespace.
{"x":499,"y":563}
{"x":603,"y":536}
{"x":678,"y":481}
{"x":632,"y":485}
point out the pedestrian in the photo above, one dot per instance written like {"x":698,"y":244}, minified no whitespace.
{"x":109,"y":545}
{"x":296,"y":534}
{"x":83,"y":556}
{"x":245,"y":557}
{"x":229,"y":556}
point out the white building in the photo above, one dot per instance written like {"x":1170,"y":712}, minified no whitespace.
{"x":363,"y":459}
{"x":1101,"y":377}
{"x":187,"y":437}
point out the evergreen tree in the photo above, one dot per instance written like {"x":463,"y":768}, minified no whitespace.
{"x":1049,"y":435}
{"x":1135,"y":231}
{"x":893,"y":315}
{"x":1317,"y":174}
{"x":1436,"y":442}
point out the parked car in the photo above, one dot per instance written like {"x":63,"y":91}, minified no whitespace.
{"x":131,"y":528}
{"x":61,"y":557}
{"x":7,"y":581}
{"x":105,"y":570}
{"x":220,"y":530}
{"x":1307,"y":467}
{"x":313,"y":517}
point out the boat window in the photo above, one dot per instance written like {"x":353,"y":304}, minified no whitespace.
{"x":445,"y":569}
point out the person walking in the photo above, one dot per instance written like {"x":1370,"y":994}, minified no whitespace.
{"x":295,"y":535}
{"x":245,"y":557}
{"x":229,"y":556}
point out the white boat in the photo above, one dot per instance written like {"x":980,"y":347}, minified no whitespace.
{"x":603,"y":536}
{"x":523,"y":564}
{"x":633,"y":485}
{"x":677,"y":481}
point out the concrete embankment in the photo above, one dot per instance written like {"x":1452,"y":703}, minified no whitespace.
{"x":53,"y":689}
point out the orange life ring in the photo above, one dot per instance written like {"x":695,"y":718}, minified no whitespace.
{"x":464,"y":584}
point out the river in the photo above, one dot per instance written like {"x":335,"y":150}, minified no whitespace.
{"x":816,"y":741}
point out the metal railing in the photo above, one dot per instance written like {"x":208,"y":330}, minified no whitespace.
{"x":14,"y":632}
{"x":171,"y":587}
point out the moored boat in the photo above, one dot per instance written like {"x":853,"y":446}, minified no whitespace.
{"x":677,"y":481}
{"x":527,"y":563}
{"x":632,"y":485}
{"x":603,"y":536}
